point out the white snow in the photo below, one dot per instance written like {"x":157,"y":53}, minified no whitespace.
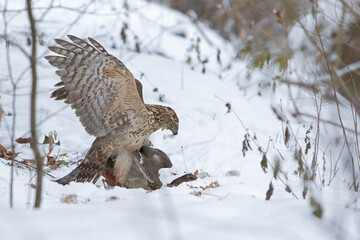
{"x":210,"y":140}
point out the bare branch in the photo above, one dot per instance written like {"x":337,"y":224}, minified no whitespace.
{"x":11,"y":77}
{"x":34,"y":143}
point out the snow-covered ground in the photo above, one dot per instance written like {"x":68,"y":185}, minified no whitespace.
{"x":210,"y":140}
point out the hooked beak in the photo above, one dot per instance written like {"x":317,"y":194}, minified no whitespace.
{"x":174,"y":130}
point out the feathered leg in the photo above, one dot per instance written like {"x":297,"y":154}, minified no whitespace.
{"x":122,"y":166}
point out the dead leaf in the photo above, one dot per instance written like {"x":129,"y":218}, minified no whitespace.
{"x":243,"y":33}
{"x":63,"y":155}
{"x":112,"y":198}
{"x":211,"y":185}
{"x":228,"y":106}
{"x":196,"y":193}
{"x":270,"y":192}
{"x":3,"y":151}
{"x":185,"y":178}
{"x":23,"y":140}
{"x":232,"y":173}
{"x":51,"y":161}
{"x":10,"y":155}
{"x":48,"y":140}
{"x":69,"y":199}
{"x":32,"y":161}
{"x":196,"y":172}
{"x":277,"y":15}
{"x":203,"y":175}
{"x":191,"y":186}
{"x":264,"y":163}
{"x":278,"y":115}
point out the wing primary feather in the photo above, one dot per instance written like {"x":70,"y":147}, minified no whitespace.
{"x":59,"y":84}
{"x":59,"y":92}
{"x":61,"y":73}
{"x":81,"y":43}
{"x":58,"y":61}
{"x":68,"y":45}
{"x":98,"y":46}
{"x":62,"y":51}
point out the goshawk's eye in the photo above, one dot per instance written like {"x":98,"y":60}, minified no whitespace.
{"x":151,"y":121}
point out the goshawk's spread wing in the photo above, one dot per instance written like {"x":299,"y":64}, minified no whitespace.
{"x":98,"y":86}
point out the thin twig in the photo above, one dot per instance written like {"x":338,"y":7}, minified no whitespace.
{"x":31,"y":166}
{"x":329,"y":122}
{"x":182,"y":151}
{"x":77,"y":10}
{"x":13,"y":104}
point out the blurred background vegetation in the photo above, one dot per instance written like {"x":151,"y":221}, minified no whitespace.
{"x":326,"y":33}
